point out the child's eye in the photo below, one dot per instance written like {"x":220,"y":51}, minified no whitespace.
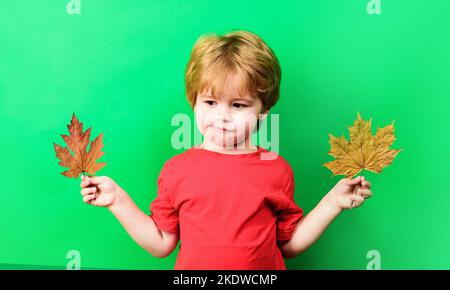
{"x":209,"y":102}
{"x":240,"y":105}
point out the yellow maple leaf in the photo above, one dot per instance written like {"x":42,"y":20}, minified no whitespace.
{"x":363,"y":151}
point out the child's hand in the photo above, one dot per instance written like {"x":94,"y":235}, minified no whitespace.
{"x":342,"y":195}
{"x":99,"y":190}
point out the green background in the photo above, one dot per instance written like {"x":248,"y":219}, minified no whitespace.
{"x":119,"y":65}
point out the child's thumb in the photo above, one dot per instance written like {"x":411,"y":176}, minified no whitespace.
{"x":355,"y":180}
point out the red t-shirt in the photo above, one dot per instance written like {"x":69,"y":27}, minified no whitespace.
{"x":228,"y":209}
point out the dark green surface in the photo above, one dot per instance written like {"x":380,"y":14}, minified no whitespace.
{"x":119,"y":66}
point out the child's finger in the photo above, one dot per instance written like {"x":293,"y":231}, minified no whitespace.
{"x":84,"y":181}
{"x":366,"y":193}
{"x":88,"y":190}
{"x":95,"y":179}
{"x":88,"y":198}
{"x":365,"y":184}
{"x":356,"y":200}
{"x":88,"y":180}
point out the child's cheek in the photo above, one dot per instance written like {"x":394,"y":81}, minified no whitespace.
{"x":201,"y":124}
{"x":247,"y":122}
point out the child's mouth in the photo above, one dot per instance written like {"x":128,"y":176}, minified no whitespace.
{"x":219,"y":128}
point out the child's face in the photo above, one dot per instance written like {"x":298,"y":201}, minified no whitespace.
{"x":228,"y":121}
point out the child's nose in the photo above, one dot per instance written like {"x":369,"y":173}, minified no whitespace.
{"x":223,"y":114}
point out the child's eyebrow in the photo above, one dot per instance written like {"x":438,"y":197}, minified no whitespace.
{"x":204,"y":96}
{"x":245,"y":99}
{"x":242,"y":99}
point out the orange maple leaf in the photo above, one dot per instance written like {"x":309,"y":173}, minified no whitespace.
{"x":82,"y":161}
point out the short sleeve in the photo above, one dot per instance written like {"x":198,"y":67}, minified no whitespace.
{"x":162,"y":210}
{"x":289,"y":213}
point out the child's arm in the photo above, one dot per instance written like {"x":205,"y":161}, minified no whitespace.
{"x":311,"y":227}
{"x":105,"y":192}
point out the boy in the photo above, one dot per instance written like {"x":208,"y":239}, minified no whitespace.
{"x":231,"y":208}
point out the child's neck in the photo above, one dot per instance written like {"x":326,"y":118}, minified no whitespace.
{"x":239,"y":148}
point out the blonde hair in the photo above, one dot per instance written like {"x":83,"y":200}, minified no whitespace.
{"x":215,"y":57}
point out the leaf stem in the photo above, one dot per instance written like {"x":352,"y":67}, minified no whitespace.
{"x":84,"y":173}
